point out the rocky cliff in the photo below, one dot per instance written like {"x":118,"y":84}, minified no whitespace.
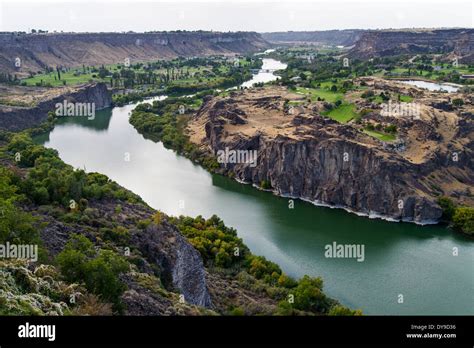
{"x":305,"y":155}
{"x":162,"y":248}
{"x":20,"y":117}
{"x":38,"y":51}
{"x":327,"y":37}
{"x":459,"y":42}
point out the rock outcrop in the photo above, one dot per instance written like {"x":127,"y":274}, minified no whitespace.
{"x":181,"y":264}
{"x":457,"y":42}
{"x":164,"y":251}
{"x":15,"y":118}
{"x":322,"y":161}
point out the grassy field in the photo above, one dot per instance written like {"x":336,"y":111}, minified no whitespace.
{"x":70,"y":78}
{"x":344,"y":113}
{"x":406,"y":98}
{"x":325,"y":94}
{"x":387,"y":137}
{"x":78,"y":76}
{"x":433,"y":75}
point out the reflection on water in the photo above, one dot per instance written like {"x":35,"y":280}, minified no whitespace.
{"x":266,"y":73}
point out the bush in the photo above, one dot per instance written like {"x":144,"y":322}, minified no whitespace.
{"x":100,"y":271}
{"x":216,"y":243}
{"x":390,"y":129}
{"x":261,"y":268}
{"x":448,"y":207}
{"x":339,"y":310}
{"x":119,"y":234}
{"x":463,"y":219}
{"x":309,"y":295}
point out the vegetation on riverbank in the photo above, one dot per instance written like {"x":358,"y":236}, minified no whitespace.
{"x":88,"y":271}
{"x":166,"y":121}
{"x":460,"y":217}
{"x":221,"y":248}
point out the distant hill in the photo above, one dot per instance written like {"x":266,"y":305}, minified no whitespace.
{"x":378,"y":43}
{"x":327,"y":37}
{"x":453,"y":42}
{"x":38,"y":51}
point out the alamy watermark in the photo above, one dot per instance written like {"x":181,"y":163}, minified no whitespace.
{"x":19,"y":251}
{"x":237,"y":156}
{"x":76,"y":109}
{"x":401,"y":110}
{"x":37,"y":331}
{"x":345,"y":251}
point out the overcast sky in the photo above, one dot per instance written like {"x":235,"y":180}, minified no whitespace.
{"x":225,"y":15}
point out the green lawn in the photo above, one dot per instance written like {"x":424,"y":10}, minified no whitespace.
{"x":49,"y":79}
{"x":434,"y":75}
{"x":71,"y":78}
{"x":380,"y":135}
{"x":344,"y":113}
{"x":405,"y":98}
{"x":325,"y":94}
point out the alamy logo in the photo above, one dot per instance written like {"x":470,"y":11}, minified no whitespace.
{"x":37,"y":331}
{"x":401,"y":110}
{"x":237,"y":156}
{"x":345,"y":251}
{"x":76,"y":109}
{"x":19,"y":251}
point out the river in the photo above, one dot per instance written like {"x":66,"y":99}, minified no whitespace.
{"x":400,"y":258}
{"x":432,"y":86}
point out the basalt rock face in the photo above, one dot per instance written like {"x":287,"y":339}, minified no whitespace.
{"x":182,"y":265}
{"x":164,"y":251}
{"x":459,"y":42}
{"x":317,"y":159}
{"x":15,"y":118}
{"x":38,"y":51}
{"x":316,"y":170}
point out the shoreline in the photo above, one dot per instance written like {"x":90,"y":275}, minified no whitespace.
{"x":317,"y":203}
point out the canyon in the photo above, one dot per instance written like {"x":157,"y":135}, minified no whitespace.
{"x":451,"y":42}
{"x":303,"y":154}
{"x":39,"y":51}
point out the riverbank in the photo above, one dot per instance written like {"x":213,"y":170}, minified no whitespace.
{"x":217,"y":272}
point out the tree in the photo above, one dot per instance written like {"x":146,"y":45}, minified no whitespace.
{"x":309,"y":295}
{"x":448,"y":207}
{"x":103,"y":72}
{"x":339,"y":310}
{"x":463,"y":219}
{"x":391,"y":128}
{"x":79,"y":262}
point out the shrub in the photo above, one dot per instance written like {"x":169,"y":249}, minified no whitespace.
{"x":309,"y":295}
{"x":448,"y":207}
{"x":339,"y":310}
{"x":79,"y":262}
{"x":463,"y":219}
{"x":261,"y":268}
